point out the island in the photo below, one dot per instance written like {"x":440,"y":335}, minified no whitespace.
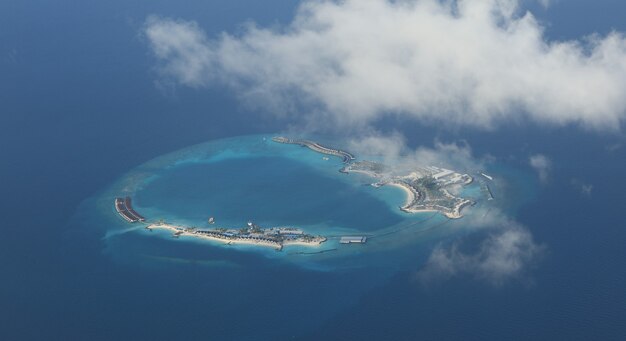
{"x":275,"y":237}
{"x":428,"y":189}
{"x":252,"y":234}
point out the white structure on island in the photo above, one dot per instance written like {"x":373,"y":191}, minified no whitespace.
{"x":353,"y":239}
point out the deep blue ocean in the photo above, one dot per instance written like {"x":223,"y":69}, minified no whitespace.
{"x":80,"y":110}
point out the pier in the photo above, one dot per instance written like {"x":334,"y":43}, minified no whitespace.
{"x":353,"y":240}
{"x":486,"y":190}
{"x":125,"y":209}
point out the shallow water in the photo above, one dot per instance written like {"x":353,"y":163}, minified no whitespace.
{"x":268,"y":190}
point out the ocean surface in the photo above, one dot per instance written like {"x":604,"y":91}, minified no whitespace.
{"x":251,"y":177}
{"x":81,"y":113}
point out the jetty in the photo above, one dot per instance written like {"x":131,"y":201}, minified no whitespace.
{"x":345,"y":156}
{"x":125,"y":209}
{"x":353,"y":240}
{"x":486,"y":190}
{"x":489,"y":177}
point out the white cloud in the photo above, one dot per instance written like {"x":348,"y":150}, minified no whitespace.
{"x":464,"y":62}
{"x":392,"y":148}
{"x":542,"y":164}
{"x":185,"y":49}
{"x":506,"y":254}
{"x":546,"y":3}
{"x":584,"y":188}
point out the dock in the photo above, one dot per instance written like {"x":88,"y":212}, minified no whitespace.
{"x":486,"y":190}
{"x":353,"y":240}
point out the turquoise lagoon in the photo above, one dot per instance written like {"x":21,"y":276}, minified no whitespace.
{"x":252,"y":178}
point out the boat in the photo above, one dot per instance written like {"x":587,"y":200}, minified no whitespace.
{"x":211,"y":220}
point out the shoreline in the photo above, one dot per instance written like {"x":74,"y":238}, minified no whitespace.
{"x":413,"y":195}
{"x":182,"y":231}
{"x":410,"y":196}
{"x":417,"y":199}
{"x":303,"y":243}
{"x":233,"y":240}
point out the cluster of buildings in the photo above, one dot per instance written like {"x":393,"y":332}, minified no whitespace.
{"x":447,"y":177}
{"x":228,"y":235}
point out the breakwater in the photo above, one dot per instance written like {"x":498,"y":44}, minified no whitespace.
{"x":125,"y":209}
{"x":345,"y":156}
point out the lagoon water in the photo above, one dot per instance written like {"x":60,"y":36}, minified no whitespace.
{"x":268,"y":190}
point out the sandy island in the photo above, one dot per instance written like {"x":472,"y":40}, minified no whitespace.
{"x":232,"y":239}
